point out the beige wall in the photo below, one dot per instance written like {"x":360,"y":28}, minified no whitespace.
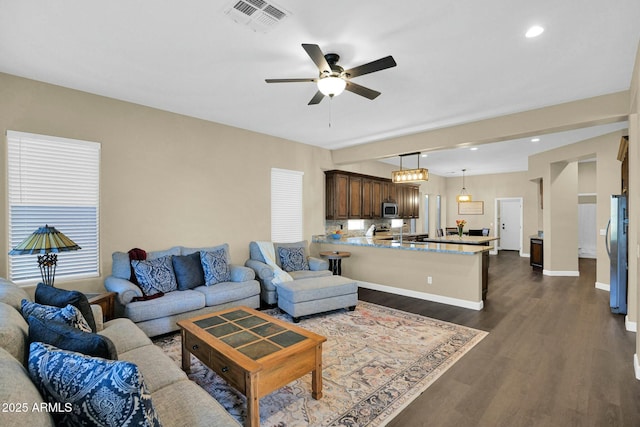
{"x":166,"y":179}
{"x":604,"y":149}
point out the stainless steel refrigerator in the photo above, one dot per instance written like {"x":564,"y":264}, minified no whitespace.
{"x":616,"y":243}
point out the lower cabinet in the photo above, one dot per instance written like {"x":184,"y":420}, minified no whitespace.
{"x":536,"y":253}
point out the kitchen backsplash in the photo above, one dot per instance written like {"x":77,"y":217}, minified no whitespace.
{"x":332,"y":226}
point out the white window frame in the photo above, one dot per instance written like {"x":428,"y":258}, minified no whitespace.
{"x":286,"y":205}
{"x":53,"y":181}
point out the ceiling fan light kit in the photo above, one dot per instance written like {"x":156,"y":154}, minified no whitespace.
{"x":410,"y":175}
{"x":331,"y":86}
{"x":332,"y":79}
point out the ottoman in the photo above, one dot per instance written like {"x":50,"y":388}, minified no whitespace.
{"x":314,"y":295}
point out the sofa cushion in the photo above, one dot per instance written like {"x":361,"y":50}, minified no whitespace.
{"x":67,"y":337}
{"x":155,"y":275}
{"x":171,"y":303}
{"x":293,"y":259}
{"x":96,"y":391}
{"x":224,"y":246}
{"x":317,"y":288}
{"x":124,"y":335}
{"x":216,"y":266}
{"x":225,"y":292}
{"x":198,"y":410}
{"x":69,"y":315}
{"x":14,"y":332}
{"x":176,"y":250}
{"x":157,"y":369}
{"x":48,"y":295}
{"x":188,"y":271}
{"x":121,"y":265}
{"x":16,"y":388}
{"x":11,"y":294}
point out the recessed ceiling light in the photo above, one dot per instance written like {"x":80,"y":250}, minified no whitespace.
{"x":424,"y":155}
{"x":535,"y":139}
{"x":534,"y":31}
{"x":473,"y":148}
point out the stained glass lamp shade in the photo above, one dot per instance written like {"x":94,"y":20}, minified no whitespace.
{"x":46,"y":242}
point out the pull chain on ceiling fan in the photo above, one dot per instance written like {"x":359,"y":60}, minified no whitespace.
{"x":333,"y":79}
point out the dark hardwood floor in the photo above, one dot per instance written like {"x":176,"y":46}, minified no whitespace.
{"x":554,"y":356}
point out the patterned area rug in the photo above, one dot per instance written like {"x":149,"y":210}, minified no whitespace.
{"x":375,"y":362}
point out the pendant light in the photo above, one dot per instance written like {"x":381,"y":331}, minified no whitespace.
{"x":463,"y":196}
{"x":410,"y":175}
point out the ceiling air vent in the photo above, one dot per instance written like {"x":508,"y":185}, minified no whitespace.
{"x":259,"y":15}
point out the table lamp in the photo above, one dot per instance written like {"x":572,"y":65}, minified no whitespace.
{"x":46,"y":242}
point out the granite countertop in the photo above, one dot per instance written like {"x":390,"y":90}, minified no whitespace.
{"x":451,"y":248}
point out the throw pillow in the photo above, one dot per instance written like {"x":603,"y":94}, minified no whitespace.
{"x":69,"y":338}
{"x":216,"y":267}
{"x":90,"y":390}
{"x":293,"y":259}
{"x":188,"y":270}
{"x":68,"y":315}
{"x":48,"y":295}
{"x":155,"y":275}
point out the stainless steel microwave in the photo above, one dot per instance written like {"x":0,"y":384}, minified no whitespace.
{"x":389,"y":210}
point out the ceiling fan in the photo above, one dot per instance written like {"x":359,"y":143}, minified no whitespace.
{"x":334,"y":79}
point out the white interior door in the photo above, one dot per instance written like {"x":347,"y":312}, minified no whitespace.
{"x":587,"y":230}
{"x":509,"y":227}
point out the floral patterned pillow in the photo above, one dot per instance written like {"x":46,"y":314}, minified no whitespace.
{"x":91,"y":390}
{"x":155,"y":275}
{"x":216,"y":267}
{"x":68,"y":315}
{"x":293,"y":259}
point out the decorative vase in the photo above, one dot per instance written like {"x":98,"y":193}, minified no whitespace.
{"x":460,"y":231}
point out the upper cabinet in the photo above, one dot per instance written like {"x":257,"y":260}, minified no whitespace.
{"x":355,"y":196}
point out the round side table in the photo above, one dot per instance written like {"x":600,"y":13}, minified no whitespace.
{"x":335,"y":260}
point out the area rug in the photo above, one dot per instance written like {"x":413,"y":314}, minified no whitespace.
{"x":376,"y":360}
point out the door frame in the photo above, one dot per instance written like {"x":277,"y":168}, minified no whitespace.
{"x":494,"y":251}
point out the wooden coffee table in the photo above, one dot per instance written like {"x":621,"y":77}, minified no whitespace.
{"x":254,"y":352}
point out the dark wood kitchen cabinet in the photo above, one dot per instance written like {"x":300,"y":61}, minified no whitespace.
{"x":356,"y":196}
{"x":337,"y":196}
{"x":536,"y":253}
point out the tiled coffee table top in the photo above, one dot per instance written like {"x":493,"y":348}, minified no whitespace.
{"x":251,"y":335}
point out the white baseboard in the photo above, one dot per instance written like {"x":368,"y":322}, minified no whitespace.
{"x":603,"y":286}
{"x":473,"y":305}
{"x":629,"y":325}
{"x":561,"y":273}
{"x":636,"y":366}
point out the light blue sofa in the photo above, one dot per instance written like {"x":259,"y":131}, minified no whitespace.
{"x":159,"y":316}
{"x":264,"y":273}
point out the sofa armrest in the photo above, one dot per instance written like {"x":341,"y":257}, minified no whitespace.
{"x":240,"y":273}
{"x":317,"y":264}
{"x":125,"y":289}
{"x":262,"y":270}
{"x":98,"y":316}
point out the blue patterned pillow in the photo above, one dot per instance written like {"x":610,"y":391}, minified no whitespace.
{"x":91,"y":390}
{"x":293,"y":259}
{"x":155,"y":275}
{"x":69,"y":315}
{"x":216,"y":267}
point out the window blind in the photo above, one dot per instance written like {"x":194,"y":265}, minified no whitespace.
{"x":286,"y":205}
{"x":53,"y":181}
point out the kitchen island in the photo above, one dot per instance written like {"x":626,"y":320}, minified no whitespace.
{"x":450,"y":273}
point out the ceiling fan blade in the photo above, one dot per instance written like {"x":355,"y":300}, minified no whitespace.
{"x":290,"y":80}
{"x":371,"y":67}
{"x":319,"y":96}
{"x":314,"y":51}
{"x":361,"y":90}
